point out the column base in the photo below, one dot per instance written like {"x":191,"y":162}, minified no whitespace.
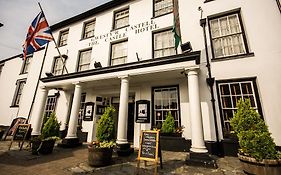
{"x":201,"y":159}
{"x":124,"y":149}
{"x":70,"y":143}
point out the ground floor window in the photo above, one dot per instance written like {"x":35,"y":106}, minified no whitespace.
{"x":81,"y":109}
{"x":165,"y":99}
{"x":50,"y":105}
{"x":230,"y":92}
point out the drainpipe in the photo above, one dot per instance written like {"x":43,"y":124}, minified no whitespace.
{"x":210,"y":81}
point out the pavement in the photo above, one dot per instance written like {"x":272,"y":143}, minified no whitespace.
{"x":74,"y":161}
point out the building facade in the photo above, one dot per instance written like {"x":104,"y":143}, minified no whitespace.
{"x":123,"y":54}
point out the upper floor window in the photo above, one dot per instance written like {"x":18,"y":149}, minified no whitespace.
{"x":63,"y":38}
{"x":26,"y":65}
{"x":89,"y":28}
{"x":58,"y":67}
{"x":162,"y":7}
{"x":121,"y":18}
{"x":84,"y":60}
{"x":230,"y":92}
{"x":18,"y":93}
{"x":164,"y":44}
{"x":227,"y":36}
{"x":119,"y":53}
{"x":1,"y":68}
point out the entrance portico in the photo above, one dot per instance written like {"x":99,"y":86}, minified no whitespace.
{"x":137,"y":78}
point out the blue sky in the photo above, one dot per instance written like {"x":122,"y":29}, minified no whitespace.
{"x":16,"y":15}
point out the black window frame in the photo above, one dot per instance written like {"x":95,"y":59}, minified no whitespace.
{"x":114,"y":43}
{"x":253,"y":80}
{"x":154,"y":16}
{"x":24,"y":65}
{"x":16,"y":94}
{"x":1,"y":68}
{"x":79,"y":57}
{"x":48,"y":112}
{"x":84,"y":28}
{"x":153,"y":36}
{"x":114,"y":18}
{"x":54,"y":63}
{"x":153,"y":124}
{"x":243,"y":32}
{"x":60,"y":37}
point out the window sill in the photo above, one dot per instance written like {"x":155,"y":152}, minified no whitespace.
{"x":86,"y":38}
{"x":62,"y":45}
{"x":23,"y":73}
{"x":161,"y":15}
{"x":208,"y":1}
{"x":14,"y":106}
{"x":120,"y":28}
{"x":233,"y":57}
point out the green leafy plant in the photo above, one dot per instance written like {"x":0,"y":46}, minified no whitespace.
{"x":106,"y":130}
{"x":168,"y":125}
{"x":51,"y":128}
{"x":252,"y":132}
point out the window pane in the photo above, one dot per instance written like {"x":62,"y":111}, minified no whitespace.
{"x":227,"y":36}
{"x":121,"y":19}
{"x":164,"y":44}
{"x":165,"y":100}
{"x":230,"y":94}
{"x":84,"y":60}
{"x":119,"y":53}
{"x":162,"y":7}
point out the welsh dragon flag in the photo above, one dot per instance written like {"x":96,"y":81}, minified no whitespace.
{"x":176,"y":27}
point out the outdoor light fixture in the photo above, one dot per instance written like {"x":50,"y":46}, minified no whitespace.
{"x":186,"y":47}
{"x":97,"y":65}
{"x":49,"y":74}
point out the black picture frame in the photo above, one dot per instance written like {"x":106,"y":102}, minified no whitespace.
{"x":100,"y":109}
{"x":88,"y":111}
{"x":142,"y":111}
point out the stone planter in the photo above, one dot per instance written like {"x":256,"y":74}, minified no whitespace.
{"x":264,"y":167}
{"x":98,"y":157}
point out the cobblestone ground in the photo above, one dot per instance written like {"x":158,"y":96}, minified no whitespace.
{"x":74,"y":161}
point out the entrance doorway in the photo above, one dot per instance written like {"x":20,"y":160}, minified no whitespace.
{"x":130,"y":123}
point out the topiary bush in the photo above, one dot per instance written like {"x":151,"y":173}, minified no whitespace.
{"x":105,"y":130}
{"x":252,"y":132}
{"x":51,"y":128}
{"x":168,"y":125}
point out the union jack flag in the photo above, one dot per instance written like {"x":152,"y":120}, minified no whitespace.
{"x":38,"y":35}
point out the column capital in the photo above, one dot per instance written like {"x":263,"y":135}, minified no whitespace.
{"x":124,"y":77}
{"x":194,"y":70}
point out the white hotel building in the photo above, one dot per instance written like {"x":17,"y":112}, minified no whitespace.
{"x":134,"y":44}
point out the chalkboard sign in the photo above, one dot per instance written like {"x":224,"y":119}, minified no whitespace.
{"x":21,"y":132}
{"x":149,"y":146}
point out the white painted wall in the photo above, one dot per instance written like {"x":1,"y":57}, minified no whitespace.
{"x":263,"y":37}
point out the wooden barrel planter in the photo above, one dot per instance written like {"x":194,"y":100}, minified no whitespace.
{"x":47,"y":146}
{"x":98,"y":157}
{"x":264,"y":167}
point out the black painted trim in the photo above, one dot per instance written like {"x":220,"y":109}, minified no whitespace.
{"x":8,"y":59}
{"x":60,"y":34}
{"x":253,"y":79}
{"x":208,"y":1}
{"x":17,"y":91}
{"x":89,"y":13}
{"x":279,"y":5}
{"x":230,"y":12}
{"x":193,"y":56}
{"x":152,"y":102}
{"x":83,"y":29}
{"x":234,"y":57}
{"x":117,"y":11}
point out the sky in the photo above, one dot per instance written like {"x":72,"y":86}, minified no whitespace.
{"x":17,"y":15}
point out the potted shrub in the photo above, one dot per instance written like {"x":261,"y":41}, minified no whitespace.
{"x":170,"y":136}
{"x":258,"y":152}
{"x":100,"y":151}
{"x":44,"y":143}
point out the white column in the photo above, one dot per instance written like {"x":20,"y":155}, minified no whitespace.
{"x":73,"y":121}
{"x":123,"y":111}
{"x":39,"y":111}
{"x":197,"y":134}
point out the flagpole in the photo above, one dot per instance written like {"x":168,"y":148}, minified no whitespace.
{"x":63,"y":60}
{"x":41,"y":69}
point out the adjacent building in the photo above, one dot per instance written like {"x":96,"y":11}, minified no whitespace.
{"x":123,"y":53}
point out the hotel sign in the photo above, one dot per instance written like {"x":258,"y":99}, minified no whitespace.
{"x":123,"y":32}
